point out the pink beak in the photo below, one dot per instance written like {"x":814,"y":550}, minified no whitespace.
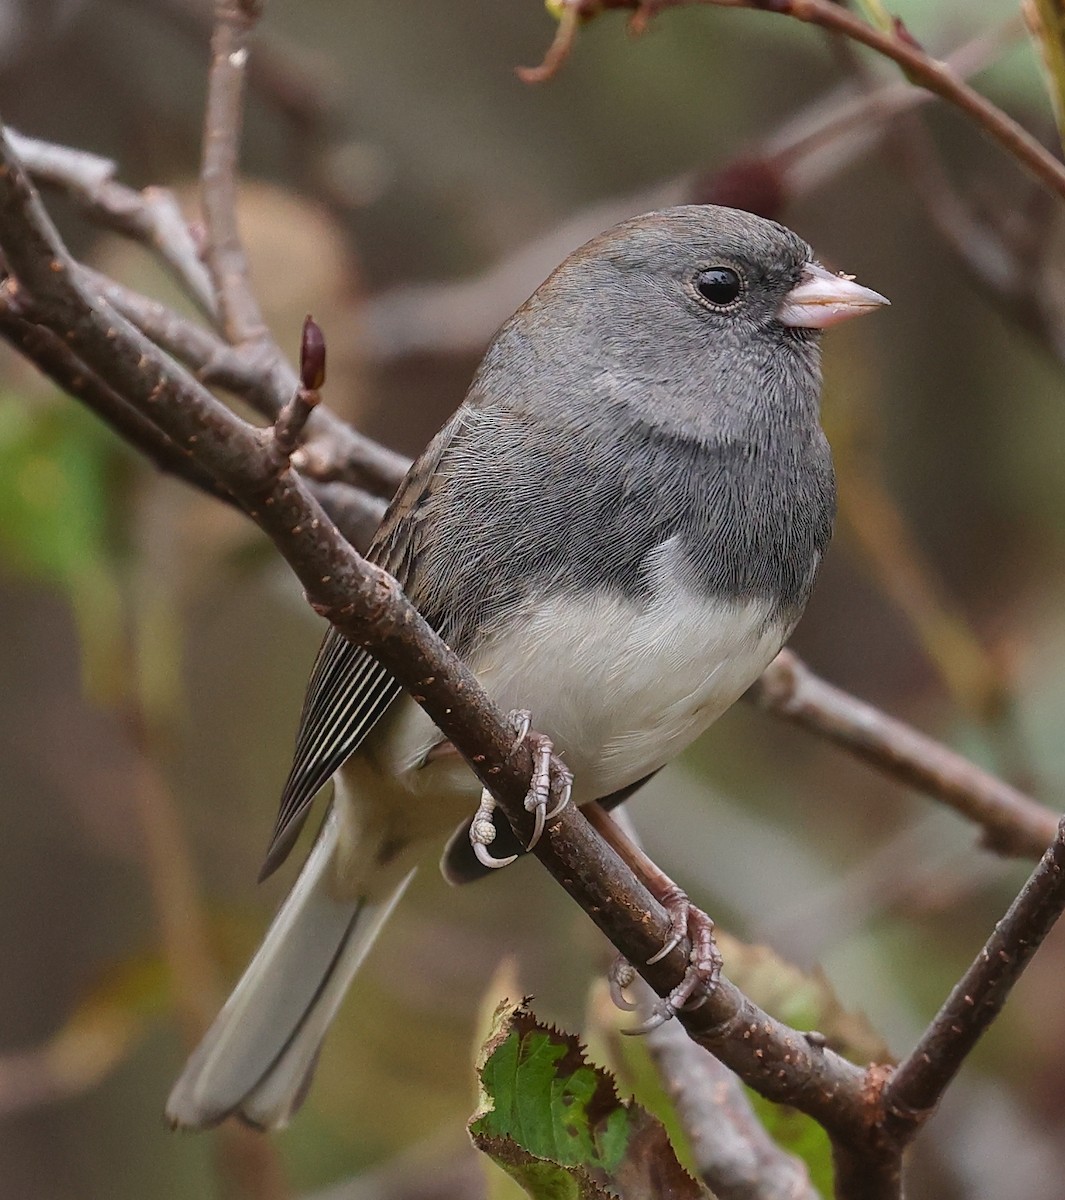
{"x":821,"y":299}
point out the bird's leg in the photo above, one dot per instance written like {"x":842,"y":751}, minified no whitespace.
{"x":686,"y":921}
{"x":550,"y":778}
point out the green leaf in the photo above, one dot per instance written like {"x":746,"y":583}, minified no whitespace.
{"x":56,"y":473}
{"x":555,"y":1123}
{"x":53,"y":490}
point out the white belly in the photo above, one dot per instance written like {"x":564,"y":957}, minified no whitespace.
{"x":621,"y":686}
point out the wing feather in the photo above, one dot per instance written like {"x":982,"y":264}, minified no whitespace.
{"x":349,"y":691}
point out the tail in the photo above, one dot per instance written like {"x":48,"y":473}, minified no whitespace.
{"x":257,"y":1059}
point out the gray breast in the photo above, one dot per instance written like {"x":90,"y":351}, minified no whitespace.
{"x":521,"y":508}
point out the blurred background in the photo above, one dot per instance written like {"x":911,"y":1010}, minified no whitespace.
{"x":405,"y":186}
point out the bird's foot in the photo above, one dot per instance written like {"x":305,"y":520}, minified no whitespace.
{"x":704,"y":963}
{"x":551,"y":780}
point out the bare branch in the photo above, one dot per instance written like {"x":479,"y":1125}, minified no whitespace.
{"x":49,"y":353}
{"x":920,"y":1080}
{"x":239,"y":311}
{"x":899,"y":46}
{"x":1013,"y":823}
{"x":733,"y":1153}
{"x":151,"y":217}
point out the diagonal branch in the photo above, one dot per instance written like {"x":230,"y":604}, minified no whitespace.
{"x":923,"y":1076}
{"x":1013,"y":823}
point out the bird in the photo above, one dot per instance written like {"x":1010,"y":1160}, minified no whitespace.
{"x":617,"y":531}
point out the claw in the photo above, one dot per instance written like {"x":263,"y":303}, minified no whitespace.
{"x":548,"y":776}
{"x":483,"y":833}
{"x":704,"y":962}
{"x":668,"y":948}
{"x":538,"y":827}
{"x":487,"y":859}
{"x":539,"y":786}
{"x":619,"y":977}
{"x":565,"y":793}
{"x":662,"y":1012}
{"x":694,"y":1002}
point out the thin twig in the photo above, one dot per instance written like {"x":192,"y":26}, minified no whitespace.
{"x":920,"y":1080}
{"x":241,"y":317}
{"x":1013,"y":823}
{"x":292,"y":419}
{"x":151,"y":217}
{"x":899,"y":46}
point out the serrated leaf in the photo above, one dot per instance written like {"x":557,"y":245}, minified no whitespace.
{"x":554,"y":1122}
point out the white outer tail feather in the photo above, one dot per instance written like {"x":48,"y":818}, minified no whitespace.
{"x":257,"y":1057}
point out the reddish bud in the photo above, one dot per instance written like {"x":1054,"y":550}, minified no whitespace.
{"x":902,"y":34}
{"x":756,"y":185}
{"x":312,"y":355}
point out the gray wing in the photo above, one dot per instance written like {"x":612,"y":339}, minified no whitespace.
{"x":349,"y":691}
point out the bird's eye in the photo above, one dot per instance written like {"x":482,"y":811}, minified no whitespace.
{"x":719,"y":286}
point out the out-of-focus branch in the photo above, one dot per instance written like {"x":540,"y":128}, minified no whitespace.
{"x":241,"y":317}
{"x":804,"y":153}
{"x":291,"y":84}
{"x":898,"y":45}
{"x":1012,"y":822}
{"x":343,"y":453}
{"x":920,"y":1080}
{"x":151,"y":217}
{"x":733,"y":1153}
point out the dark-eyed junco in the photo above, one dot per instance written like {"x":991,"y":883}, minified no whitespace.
{"x":617,"y":531}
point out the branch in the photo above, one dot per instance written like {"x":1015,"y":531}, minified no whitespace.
{"x":922,"y":1077}
{"x":151,"y":217}
{"x":733,"y":1153}
{"x":899,"y":46}
{"x":241,"y":317}
{"x":1013,"y":823}
{"x":334,"y":451}
{"x":52,"y":356}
